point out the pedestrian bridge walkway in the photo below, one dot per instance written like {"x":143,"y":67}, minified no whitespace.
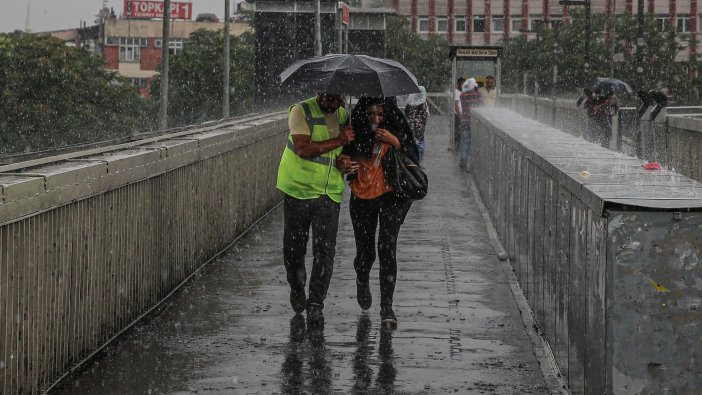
{"x":155,"y":267}
{"x":231,"y":329}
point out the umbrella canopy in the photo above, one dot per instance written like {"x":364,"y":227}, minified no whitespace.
{"x":611,"y":85}
{"x":354,"y":75}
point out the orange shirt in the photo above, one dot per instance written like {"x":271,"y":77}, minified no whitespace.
{"x":370,"y":180}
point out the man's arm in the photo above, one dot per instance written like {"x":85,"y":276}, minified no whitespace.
{"x":306,"y":148}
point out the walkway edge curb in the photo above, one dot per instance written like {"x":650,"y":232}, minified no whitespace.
{"x":553,"y":378}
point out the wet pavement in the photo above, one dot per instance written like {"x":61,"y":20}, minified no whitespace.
{"x":231,"y":329}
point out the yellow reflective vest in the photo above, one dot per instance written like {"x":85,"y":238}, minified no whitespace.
{"x":309,"y":178}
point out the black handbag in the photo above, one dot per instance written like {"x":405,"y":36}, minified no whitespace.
{"x":407,"y":179}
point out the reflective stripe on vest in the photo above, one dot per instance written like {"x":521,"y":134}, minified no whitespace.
{"x":311,"y":121}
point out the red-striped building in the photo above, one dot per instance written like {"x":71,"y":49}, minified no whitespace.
{"x":487,"y":22}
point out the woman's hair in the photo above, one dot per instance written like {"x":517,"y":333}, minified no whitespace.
{"x":365,"y":137}
{"x":394,"y":121}
{"x":359,"y":115}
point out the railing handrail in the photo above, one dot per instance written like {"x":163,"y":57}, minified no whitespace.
{"x":132,"y":141}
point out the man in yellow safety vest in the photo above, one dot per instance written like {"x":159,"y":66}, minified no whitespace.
{"x":311,"y":176}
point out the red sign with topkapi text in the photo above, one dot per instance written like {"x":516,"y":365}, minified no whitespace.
{"x":154,"y":9}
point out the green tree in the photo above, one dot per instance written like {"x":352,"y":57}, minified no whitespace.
{"x":195,"y":74}
{"x":427,"y":59}
{"x":53,"y":95}
{"x":660,"y":68}
{"x":535,"y":57}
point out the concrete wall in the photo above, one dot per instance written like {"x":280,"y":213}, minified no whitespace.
{"x":684,"y":145}
{"x":608,"y":269}
{"x":555,"y":243}
{"x":89,"y":244}
{"x":673,"y":140}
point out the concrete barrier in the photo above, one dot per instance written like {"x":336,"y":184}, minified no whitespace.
{"x":607,"y":253}
{"x":672,"y":138}
{"x":90,"y":243}
{"x":684,"y":145}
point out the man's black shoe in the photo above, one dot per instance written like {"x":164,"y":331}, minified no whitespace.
{"x":298,"y":300}
{"x":363,"y":295}
{"x":314,"y":314}
{"x":387,"y":316}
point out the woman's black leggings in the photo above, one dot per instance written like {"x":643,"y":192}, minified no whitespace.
{"x":390,"y":211}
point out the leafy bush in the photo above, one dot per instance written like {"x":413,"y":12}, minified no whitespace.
{"x":427,"y":59}
{"x":661,"y":71}
{"x":53,"y":95}
{"x":195,"y":78}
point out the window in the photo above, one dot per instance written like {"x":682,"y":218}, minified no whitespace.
{"x":423,"y":24}
{"x":175,"y":45}
{"x":442,"y":24}
{"x":138,"y":82}
{"x":540,"y":24}
{"x":683,"y":24}
{"x":557,"y":22}
{"x":130,"y":48}
{"x":460,"y":24}
{"x":498,"y":24}
{"x":516,"y":25}
{"x":478,"y":24}
{"x":537,"y":24}
{"x":662,"y":24}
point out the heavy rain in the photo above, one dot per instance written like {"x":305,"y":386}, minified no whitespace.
{"x":364,"y":196}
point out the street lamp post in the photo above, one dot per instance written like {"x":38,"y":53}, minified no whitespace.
{"x":613,"y":35}
{"x":587,"y":41}
{"x":554,"y":62}
{"x":318,"y":28}
{"x":225,"y":68}
{"x":639,"y":45}
{"x":163,"y":104}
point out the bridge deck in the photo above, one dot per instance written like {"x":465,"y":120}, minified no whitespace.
{"x":230,"y":330}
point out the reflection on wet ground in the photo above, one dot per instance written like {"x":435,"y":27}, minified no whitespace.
{"x":307,"y":369}
{"x":231,"y":330}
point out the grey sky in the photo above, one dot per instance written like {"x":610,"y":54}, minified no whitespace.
{"x":46,"y":15}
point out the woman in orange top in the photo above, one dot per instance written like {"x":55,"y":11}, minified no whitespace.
{"x":379,"y":126}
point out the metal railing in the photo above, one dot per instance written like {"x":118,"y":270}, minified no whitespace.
{"x":92,"y":240}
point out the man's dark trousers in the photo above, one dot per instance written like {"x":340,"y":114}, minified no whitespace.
{"x":456,"y":131}
{"x":322,"y":214}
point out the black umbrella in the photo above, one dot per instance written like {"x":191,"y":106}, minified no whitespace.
{"x":611,"y":85}
{"x":354,"y":75}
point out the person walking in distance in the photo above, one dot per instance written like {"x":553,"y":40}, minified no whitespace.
{"x":457,"y":111}
{"x":469,"y":98}
{"x":489,"y":92}
{"x":417,"y":113}
{"x":601,"y":106}
{"x":310,"y":176}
